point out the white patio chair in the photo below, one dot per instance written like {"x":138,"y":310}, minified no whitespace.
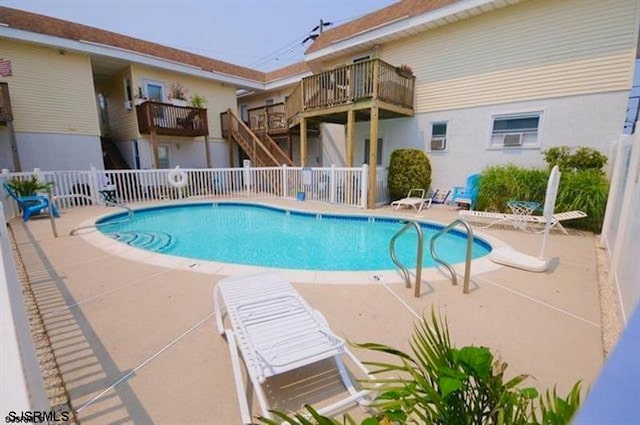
{"x":276,"y":331}
{"x":519,"y":221}
{"x":417,"y":202}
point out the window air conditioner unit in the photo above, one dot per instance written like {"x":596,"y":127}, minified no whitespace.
{"x":438,"y":143}
{"x":128,"y":105}
{"x":512,"y":139}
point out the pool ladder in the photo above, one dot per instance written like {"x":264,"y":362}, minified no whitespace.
{"x":449,"y":267}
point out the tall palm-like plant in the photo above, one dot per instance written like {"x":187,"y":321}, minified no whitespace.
{"x":441,"y":385}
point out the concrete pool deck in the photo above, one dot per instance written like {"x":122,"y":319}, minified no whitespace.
{"x":136,"y":342}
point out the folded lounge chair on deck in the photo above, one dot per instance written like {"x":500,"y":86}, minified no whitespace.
{"x":518,"y":220}
{"x":31,"y":205}
{"x":276,"y":331}
{"x":415,"y":198}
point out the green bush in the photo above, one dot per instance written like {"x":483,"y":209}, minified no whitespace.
{"x":584,"y":190}
{"x":408,"y":169}
{"x":29,"y":187}
{"x":439,"y":384}
{"x":570,"y":159}
{"x":503,"y":183}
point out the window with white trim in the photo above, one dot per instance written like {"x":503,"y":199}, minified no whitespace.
{"x":516,"y":130}
{"x":438,"y":138}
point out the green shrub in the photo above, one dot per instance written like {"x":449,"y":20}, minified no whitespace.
{"x":584,"y":190}
{"x":408,"y":169}
{"x":570,"y":159}
{"x":503,"y":183}
{"x":29,"y":187}
{"x":439,"y":384}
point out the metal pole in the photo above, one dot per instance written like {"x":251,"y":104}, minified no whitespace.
{"x":51,"y":217}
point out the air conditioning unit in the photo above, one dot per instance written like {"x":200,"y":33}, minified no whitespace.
{"x":128,"y":105}
{"x":512,"y":139}
{"x":438,"y":143}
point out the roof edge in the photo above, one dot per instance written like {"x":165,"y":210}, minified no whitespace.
{"x":399,"y":25}
{"x":90,"y":47}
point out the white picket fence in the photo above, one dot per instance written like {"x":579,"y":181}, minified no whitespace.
{"x":621,"y":227}
{"x":335,"y":185}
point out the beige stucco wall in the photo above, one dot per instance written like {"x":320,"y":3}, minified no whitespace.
{"x":51,"y":90}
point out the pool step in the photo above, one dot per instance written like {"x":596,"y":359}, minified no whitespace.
{"x":154,"y":241}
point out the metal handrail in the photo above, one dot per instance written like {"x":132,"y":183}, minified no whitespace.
{"x":93,"y":199}
{"x":467,"y":265}
{"x":402,"y":267}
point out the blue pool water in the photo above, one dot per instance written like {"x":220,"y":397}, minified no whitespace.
{"x":265,"y":236}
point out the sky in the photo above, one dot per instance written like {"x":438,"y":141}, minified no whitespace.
{"x":260,"y":34}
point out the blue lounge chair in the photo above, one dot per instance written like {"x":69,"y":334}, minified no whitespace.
{"x":31,"y":204}
{"x":468,"y":194}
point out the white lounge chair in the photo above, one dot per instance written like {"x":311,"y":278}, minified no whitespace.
{"x":518,"y":220}
{"x":417,"y":202}
{"x":276,"y":331}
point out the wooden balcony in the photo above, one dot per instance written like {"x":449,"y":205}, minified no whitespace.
{"x":269,"y":118}
{"x":170,"y":120}
{"x":5,"y":104}
{"x":356,"y":86}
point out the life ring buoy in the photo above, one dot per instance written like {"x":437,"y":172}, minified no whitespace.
{"x":177,"y":178}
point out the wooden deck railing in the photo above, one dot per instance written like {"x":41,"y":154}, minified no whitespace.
{"x":372,"y":79}
{"x":170,"y":120}
{"x":5,"y":103}
{"x":270,"y":118}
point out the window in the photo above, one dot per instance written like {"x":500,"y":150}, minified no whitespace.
{"x":367,"y":148}
{"x":514,"y":131}
{"x":244,"y":113}
{"x":163,"y":156}
{"x":128,"y":94}
{"x":269,"y":102}
{"x":438,"y":139}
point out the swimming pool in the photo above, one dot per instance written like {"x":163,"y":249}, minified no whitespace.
{"x":267,"y":236}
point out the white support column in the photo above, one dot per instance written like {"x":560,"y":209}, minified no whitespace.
{"x":364,"y":185}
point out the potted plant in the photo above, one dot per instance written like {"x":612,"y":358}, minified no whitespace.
{"x":198,"y":101}
{"x":178,"y":95}
{"x":29,"y":187}
{"x":405,"y":70}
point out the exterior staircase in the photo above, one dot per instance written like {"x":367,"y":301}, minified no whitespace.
{"x":113,"y":159}
{"x":262,"y":150}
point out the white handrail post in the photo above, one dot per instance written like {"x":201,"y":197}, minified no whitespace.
{"x":14,"y":206}
{"x":284,"y":181}
{"x":364,"y":185}
{"x":93,"y":183}
{"x":332,"y":184}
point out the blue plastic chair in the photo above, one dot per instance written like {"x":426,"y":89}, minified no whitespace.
{"x":31,"y":204}
{"x":469,"y":193}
